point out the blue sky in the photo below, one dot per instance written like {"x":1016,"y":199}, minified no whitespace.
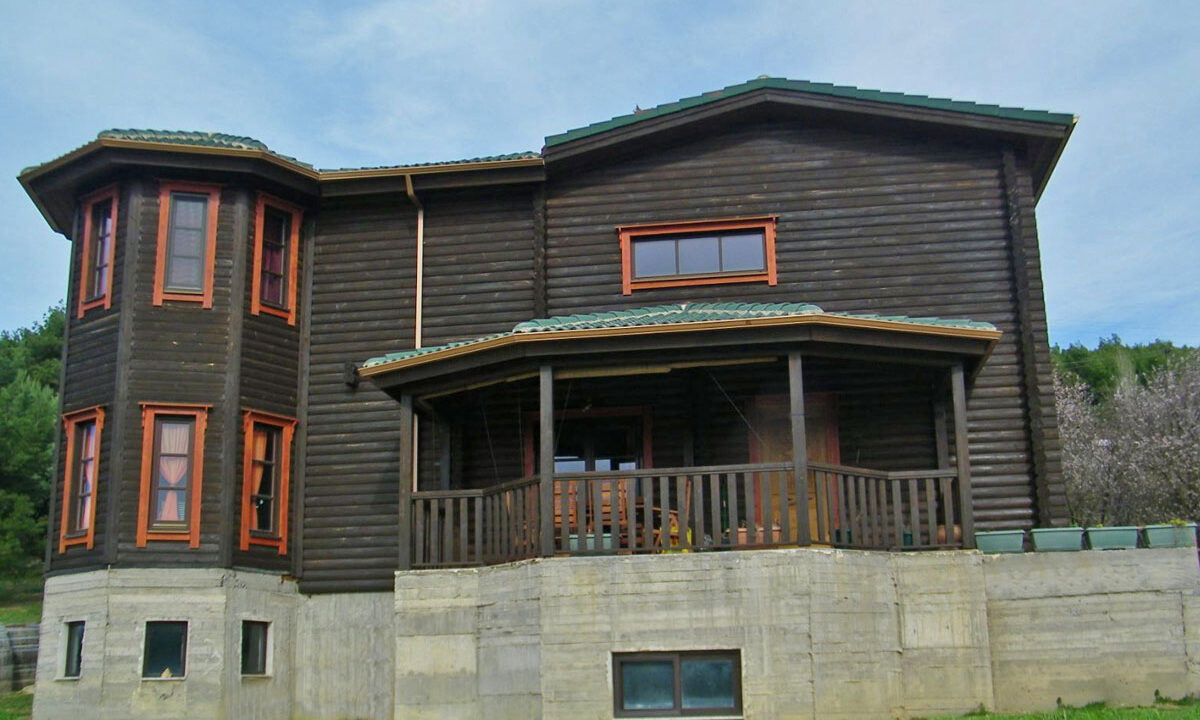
{"x":391,"y":82}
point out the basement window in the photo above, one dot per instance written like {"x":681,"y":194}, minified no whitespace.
{"x":706,"y":252}
{"x":73,"y":656}
{"x":165,"y":653}
{"x":677,"y":684}
{"x":255,"y":648}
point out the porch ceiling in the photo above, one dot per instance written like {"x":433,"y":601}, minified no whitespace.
{"x":693,"y":332}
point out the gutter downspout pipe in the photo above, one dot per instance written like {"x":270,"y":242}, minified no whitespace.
{"x":418,"y":303}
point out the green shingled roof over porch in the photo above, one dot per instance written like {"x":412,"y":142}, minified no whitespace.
{"x":670,"y":315}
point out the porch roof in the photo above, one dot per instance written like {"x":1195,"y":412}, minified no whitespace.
{"x":719,"y":324}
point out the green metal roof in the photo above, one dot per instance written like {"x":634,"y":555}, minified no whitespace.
{"x":674,"y":315}
{"x":186,"y":137}
{"x":826,"y":89}
{"x":527,"y":155}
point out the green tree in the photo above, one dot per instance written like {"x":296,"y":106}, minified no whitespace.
{"x":1102,"y":370}
{"x":27,"y":410}
{"x":36,"y":350}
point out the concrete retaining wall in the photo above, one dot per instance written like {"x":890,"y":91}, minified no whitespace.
{"x":822,"y":634}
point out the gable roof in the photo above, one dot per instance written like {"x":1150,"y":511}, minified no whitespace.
{"x":674,"y":318}
{"x":824,"y":89}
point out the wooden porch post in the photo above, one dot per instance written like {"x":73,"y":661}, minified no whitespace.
{"x":546,"y":457}
{"x":962,"y":454}
{"x":939,"y":427}
{"x":800,"y":454}
{"x":405,"y":480}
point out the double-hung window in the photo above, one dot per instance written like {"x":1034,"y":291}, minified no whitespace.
{"x":704,"y":252}
{"x":687,"y":684}
{"x":266,"y":468}
{"x":187,"y":242}
{"x":276,"y":241}
{"x":96,"y":253}
{"x":82,"y":463}
{"x":172,"y":473}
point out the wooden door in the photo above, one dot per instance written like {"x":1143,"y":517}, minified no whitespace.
{"x":771,"y":441}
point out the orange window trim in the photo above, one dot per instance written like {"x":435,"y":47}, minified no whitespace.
{"x":256,"y":304}
{"x":287,"y":426}
{"x":70,"y":422}
{"x":165,"y":189}
{"x":105,"y":300}
{"x":150,"y":413}
{"x":628,"y":234}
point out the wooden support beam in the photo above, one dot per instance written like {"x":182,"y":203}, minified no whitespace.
{"x":800,"y":454}
{"x":405,"y":482}
{"x":941,"y":432}
{"x":546,"y":457}
{"x":962,"y":453}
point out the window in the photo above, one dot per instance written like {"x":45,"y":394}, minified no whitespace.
{"x":276,"y":239}
{"x":266,"y":468}
{"x":255,"y":647}
{"x":165,"y":654}
{"x":96,"y":254}
{"x":172,"y":471}
{"x":73,"y":655}
{"x":187,"y":242}
{"x":677,"y":684}
{"x":82,"y":463}
{"x":705,"y":252}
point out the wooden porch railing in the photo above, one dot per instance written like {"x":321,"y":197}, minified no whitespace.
{"x":688,"y":509}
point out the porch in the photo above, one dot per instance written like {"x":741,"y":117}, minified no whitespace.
{"x":685,"y":433}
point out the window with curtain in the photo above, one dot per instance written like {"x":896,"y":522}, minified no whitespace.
{"x":276,"y":240}
{"x":81,"y":478}
{"x":172,"y":472}
{"x":187,"y":242}
{"x":266,"y":468}
{"x":96,"y":253}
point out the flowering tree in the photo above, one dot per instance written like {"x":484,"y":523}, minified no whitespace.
{"x":1134,"y":458}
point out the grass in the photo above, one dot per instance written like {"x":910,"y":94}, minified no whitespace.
{"x":21,"y":600}
{"x":1165,"y":710}
{"x":16,"y":706}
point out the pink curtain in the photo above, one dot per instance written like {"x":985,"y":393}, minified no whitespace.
{"x":87,"y":478}
{"x":174,"y":439}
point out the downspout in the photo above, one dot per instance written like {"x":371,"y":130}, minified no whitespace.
{"x":418,"y":304}
{"x":418,"y":300}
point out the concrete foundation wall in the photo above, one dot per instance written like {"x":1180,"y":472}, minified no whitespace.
{"x":821,"y":633}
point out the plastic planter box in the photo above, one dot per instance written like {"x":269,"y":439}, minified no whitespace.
{"x":1160,"y":536}
{"x":1057,"y":539}
{"x":1000,"y":541}
{"x":1118,"y":537}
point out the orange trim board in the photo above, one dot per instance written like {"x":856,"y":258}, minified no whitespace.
{"x":287,"y":427}
{"x":291,"y":256}
{"x":709,"y":325}
{"x":190,"y":534}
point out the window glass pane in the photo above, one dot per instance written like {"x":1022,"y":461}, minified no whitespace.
{"x":74,"y":660}
{"x":272,"y":261}
{"x":254,"y":647}
{"x":743,"y":251}
{"x":699,"y":255}
{"x":173,"y":471}
{"x":653,"y":257}
{"x":185,"y":273}
{"x":188,"y":211}
{"x":272,"y":289}
{"x":166,"y":649}
{"x":707,"y":683}
{"x":648,"y":685}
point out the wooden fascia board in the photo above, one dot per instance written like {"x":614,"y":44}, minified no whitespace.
{"x":565,"y":343}
{"x":802,"y":100}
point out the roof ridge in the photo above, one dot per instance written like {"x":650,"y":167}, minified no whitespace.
{"x":829,"y":89}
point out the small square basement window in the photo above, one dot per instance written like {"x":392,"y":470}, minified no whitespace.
{"x":677,"y":684}
{"x":165,"y":654}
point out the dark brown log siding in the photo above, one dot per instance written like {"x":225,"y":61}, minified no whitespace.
{"x":362,"y":306}
{"x":867,"y":223}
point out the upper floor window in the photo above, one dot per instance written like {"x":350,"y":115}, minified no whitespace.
{"x":77,"y":523}
{"x":96,"y":253}
{"x":187,"y":242}
{"x":266,"y":469}
{"x":172,"y":472}
{"x":704,"y":252}
{"x":276,"y":239}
